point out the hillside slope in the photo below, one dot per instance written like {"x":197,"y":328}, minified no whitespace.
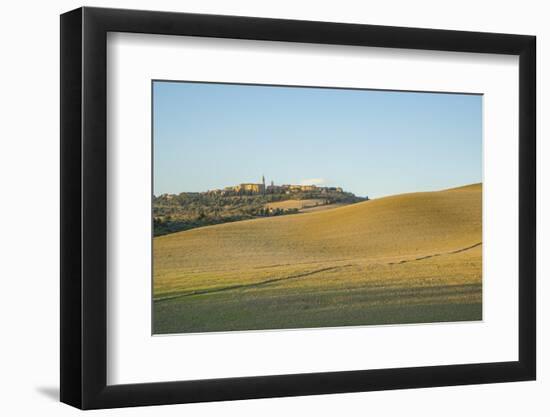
{"x":419,"y":240}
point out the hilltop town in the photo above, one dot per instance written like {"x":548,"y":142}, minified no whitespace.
{"x":261,"y":188}
{"x":188,"y":210}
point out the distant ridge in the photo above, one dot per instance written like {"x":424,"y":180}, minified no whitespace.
{"x":469,"y":187}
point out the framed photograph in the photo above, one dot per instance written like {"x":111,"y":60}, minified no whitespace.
{"x":258,"y":208}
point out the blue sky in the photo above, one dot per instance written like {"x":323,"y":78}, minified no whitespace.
{"x":373,"y":143}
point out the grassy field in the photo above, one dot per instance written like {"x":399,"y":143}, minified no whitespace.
{"x":298,"y":204}
{"x":408,"y":258}
{"x":304,"y":206}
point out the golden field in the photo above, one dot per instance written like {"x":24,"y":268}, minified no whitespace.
{"x":407,"y":258}
{"x":297,"y":204}
{"x":304,"y":206}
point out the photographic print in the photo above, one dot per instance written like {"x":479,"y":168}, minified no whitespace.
{"x":289,"y":207}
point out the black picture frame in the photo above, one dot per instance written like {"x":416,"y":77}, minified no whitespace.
{"x":84,"y":207}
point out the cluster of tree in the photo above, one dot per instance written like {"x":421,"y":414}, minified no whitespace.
{"x":184,"y":211}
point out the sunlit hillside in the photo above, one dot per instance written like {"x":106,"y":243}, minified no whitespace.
{"x":400,"y":259}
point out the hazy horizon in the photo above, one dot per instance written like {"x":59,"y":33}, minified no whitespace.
{"x":371,"y":143}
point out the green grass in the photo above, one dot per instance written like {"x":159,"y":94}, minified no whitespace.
{"x":403,"y":259}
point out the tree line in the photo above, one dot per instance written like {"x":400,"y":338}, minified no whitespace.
{"x":184,"y":211}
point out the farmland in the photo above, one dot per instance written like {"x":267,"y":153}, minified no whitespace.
{"x":408,"y":258}
{"x":188,"y":210}
{"x":297,"y":204}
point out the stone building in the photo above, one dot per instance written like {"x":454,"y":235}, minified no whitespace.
{"x":249,"y":188}
{"x":261,"y":188}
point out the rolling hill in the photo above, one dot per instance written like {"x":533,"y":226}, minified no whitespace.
{"x":400,"y":259}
